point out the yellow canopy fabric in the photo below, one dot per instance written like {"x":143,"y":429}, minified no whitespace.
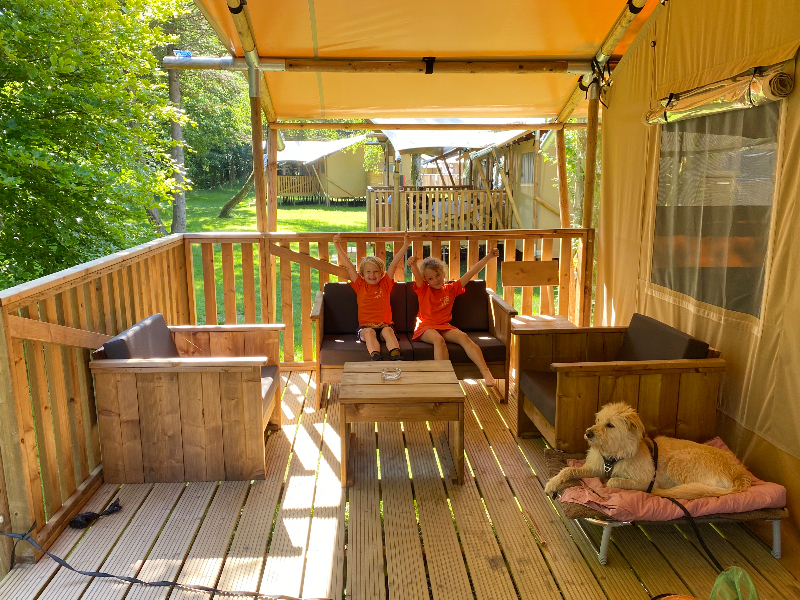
{"x":467,"y":29}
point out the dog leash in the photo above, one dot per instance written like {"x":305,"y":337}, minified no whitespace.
{"x":26,"y":537}
{"x":689,"y":517}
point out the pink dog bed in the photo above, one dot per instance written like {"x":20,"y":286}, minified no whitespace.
{"x":630,"y":505}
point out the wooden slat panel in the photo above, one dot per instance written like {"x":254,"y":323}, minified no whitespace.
{"x":107,"y":386}
{"x":190,"y":390}
{"x":212,"y":416}
{"x":97,"y":322}
{"x":233,"y":425}
{"x":547,"y":303}
{"x":531,"y":273}
{"x":162,"y":444}
{"x":528,"y":250}
{"x":87,"y":390}
{"x":400,"y":271}
{"x":473,"y":247}
{"x":454,"y":254}
{"x":324,"y":254}
{"x":228,"y":284}
{"x":697,"y":406}
{"x":509,"y":255}
{"x":305,"y":306}
{"x":619,"y":389}
{"x":130,"y":428}
{"x":361,"y":252}
{"x":75,"y":403}
{"x":576,"y":405}
{"x":58,"y":398}
{"x":287,"y":309}
{"x":658,"y":403}
{"x":136,"y":295}
{"x":564,"y":268}
{"x":491,"y":266}
{"x":188,"y":265}
{"x":127,"y":296}
{"x":209,"y":284}
{"x":166,"y":288}
{"x":108,"y":306}
{"x":436,"y":249}
{"x":174,"y":284}
{"x":119,"y":304}
{"x":248,"y":284}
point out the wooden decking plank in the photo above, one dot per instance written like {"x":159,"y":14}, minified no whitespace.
{"x":324,"y":571}
{"x":574,"y":576}
{"x":529,"y":569}
{"x":365,"y":568}
{"x":205,"y":559}
{"x":26,"y":580}
{"x":655,"y":572}
{"x":134,"y":545}
{"x":728,"y":555}
{"x":96,"y":544}
{"x":691,"y":565}
{"x":487,"y":567}
{"x":245,"y":561}
{"x":169,"y":551}
{"x":405,"y":567}
{"x":283,"y":570}
{"x":446,"y":568}
{"x":758,"y":553}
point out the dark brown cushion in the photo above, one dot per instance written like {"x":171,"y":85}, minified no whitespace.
{"x":149,"y":338}
{"x":339,"y":349}
{"x":341,"y":308}
{"x":493,"y":349}
{"x":540,"y":388}
{"x":648,"y":339}
{"x":470,"y":309}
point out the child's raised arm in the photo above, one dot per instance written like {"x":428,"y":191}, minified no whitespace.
{"x":344,"y":260}
{"x":476,"y":268}
{"x":398,"y":256}
{"x":418,"y":278}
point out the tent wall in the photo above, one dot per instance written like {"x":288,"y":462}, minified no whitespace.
{"x":686,"y":44}
{"x":344,"y":175}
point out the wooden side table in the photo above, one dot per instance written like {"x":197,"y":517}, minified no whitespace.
{"x":426,"y":391}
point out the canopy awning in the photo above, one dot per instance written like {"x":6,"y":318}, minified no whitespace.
{"x":434,"y":142}
{"x":466,"y":30}
{"x":309,"y":151}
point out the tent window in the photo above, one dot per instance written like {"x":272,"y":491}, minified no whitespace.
{"x":715,"y":184}
{"x":526,"y":174}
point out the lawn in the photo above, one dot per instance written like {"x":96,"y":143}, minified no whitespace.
{"x":202,"y":208}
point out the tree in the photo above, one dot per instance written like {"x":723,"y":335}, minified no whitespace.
{"x":84,"y":116}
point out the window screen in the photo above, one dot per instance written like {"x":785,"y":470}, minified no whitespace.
{"x":715,"y":184}
{"x":526,"y":174}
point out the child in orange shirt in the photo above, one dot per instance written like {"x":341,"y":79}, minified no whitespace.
{"x":373,"y":288}
{"x":436,"y":297}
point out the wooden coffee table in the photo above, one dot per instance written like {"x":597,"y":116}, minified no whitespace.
{"x":427,"y":390}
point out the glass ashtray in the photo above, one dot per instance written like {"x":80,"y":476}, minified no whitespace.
{"x":391,"y":373}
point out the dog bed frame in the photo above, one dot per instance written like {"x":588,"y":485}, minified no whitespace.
{"x":556,"y":460}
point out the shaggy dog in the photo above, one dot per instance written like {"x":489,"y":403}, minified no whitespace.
{"x":619,"y":453}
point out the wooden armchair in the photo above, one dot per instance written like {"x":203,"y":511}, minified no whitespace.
{"x":198,"y":412}
{"x":565,"y":375}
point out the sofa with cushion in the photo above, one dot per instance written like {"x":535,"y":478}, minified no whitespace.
{"x":479,"y":312}
{"x":186,"y":403}
{"x":565,"y":375}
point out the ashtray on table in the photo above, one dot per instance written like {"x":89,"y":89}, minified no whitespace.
{"x":390,"y":373}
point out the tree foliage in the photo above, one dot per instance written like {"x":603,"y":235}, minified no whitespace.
{"x":83,"y":116}
{"x":217,"y":104}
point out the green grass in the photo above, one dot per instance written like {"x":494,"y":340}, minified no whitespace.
{"x":202,"y":208}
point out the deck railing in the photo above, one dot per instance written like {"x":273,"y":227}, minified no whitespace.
{"x":296,"y":185}
{"x":437,"y":209}
{"x":49,"y":442}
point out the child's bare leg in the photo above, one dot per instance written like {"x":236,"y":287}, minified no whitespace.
{"x":435,"y":338}
{"x":370,"y":339}
{"x":387,"y":333}
{"x":473,"y":351}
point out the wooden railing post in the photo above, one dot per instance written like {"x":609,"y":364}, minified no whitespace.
{"x":18,"y":485}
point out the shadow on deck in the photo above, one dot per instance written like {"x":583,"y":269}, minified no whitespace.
{"x":402,"y":531}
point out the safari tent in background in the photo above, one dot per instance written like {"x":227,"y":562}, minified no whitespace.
{"x":689,"y":234}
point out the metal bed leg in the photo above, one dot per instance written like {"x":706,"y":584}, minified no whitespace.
{"x":602,"y":556}
{"x":776,"y":539}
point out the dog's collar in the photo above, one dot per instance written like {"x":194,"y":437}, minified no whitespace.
{"x":608,"y":465}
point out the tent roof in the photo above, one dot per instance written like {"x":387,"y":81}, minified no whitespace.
{"x":464,"y":29}
{"x":436,"y":141}
{"x":309,"y":151}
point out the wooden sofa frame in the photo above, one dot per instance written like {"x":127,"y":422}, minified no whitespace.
{"x":677,"y":398}
{"x":203,"y":415}
{"x":499,"y":326}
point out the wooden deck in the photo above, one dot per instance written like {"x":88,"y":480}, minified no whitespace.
{"x":402,"y":531}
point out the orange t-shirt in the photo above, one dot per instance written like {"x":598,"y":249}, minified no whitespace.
{"x":436,"y":306}
{"x":374,"y":307}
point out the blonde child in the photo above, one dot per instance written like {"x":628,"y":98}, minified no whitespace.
{"x":373,"y":287}
{"x":436,"y":297}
